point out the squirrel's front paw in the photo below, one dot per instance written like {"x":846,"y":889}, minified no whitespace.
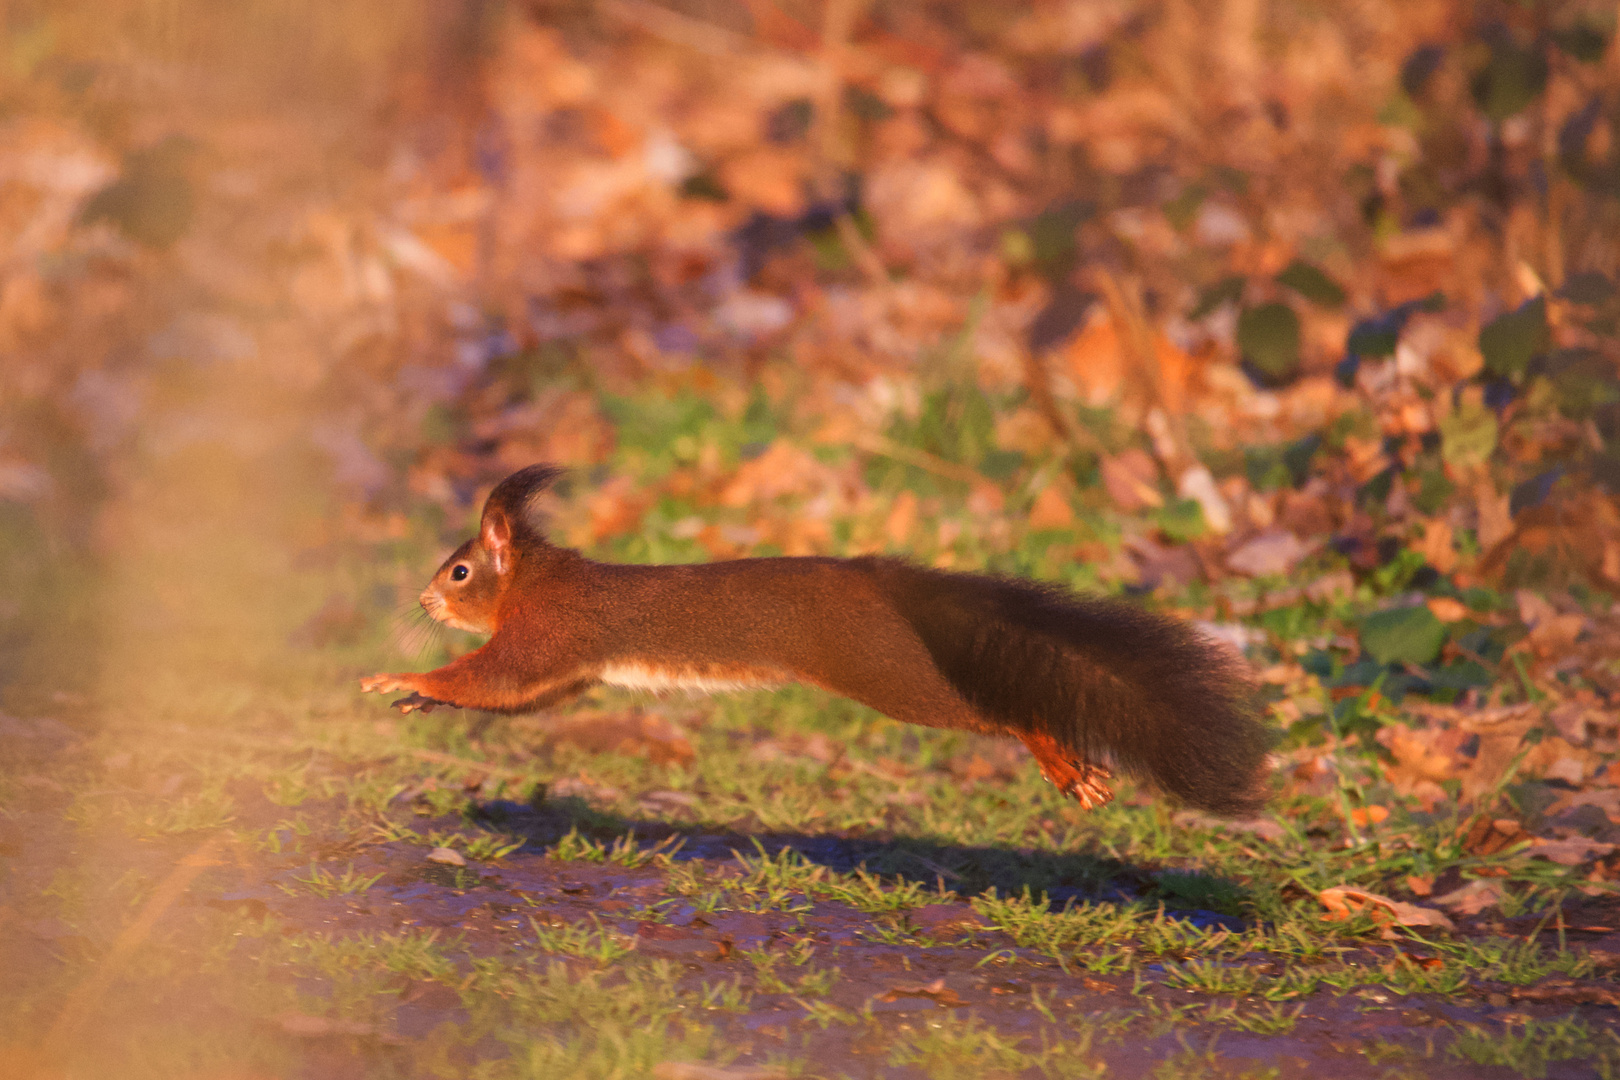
{"x":386,"y":684}
{"x":419,"y":703}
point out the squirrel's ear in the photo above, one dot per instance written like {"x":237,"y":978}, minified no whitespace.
{"x":508,"y":513}
{"x":495,"y":534}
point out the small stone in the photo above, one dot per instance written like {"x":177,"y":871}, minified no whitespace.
{"x":448,"y":856}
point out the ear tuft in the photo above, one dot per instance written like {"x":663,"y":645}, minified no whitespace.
{"x":512,"y":501}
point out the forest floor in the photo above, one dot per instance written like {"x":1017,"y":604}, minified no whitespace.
{"x":220,"y":861}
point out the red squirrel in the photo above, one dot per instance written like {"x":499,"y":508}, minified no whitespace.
{"x":1081,"y":681}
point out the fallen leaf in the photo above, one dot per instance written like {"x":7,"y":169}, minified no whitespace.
{"x":1486,"y":836}
{"x":1333,"y":585}
{"x":1552,"y":638}
{"x":1472,"y":898}
{"x":1269,"y":338}
{"x":1404,"y":634}
{"x":1561,"y":991}
{"x":1501,"y":735}
{"x":1198,"y":484}
{"x":1343,"y":902}
{"x":1051,"y":510}
{"x":1437,"y":550}
{"x":1572,"y":852}
{"x":937,"y":991}
{"x":1363,"y":816}
{"x":1495,"y":515}
{"x":1446,"y":609}
{"x":939,"y":918}
{"x":1273,"y":552}
{"x":1131,"y":480}
{"x":1468,"y":439}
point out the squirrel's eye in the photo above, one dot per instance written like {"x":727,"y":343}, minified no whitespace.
{"x":460,"y":572}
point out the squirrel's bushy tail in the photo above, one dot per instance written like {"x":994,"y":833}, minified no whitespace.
{"x":1110,"y":680}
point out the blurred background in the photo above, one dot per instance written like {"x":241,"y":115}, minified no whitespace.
{"x":1239,"y":304}
{"x":1297,"y":317}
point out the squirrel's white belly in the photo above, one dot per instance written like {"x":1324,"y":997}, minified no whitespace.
{"x":703,"y":678}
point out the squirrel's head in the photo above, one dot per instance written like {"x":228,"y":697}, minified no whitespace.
{"x":466,"y":592}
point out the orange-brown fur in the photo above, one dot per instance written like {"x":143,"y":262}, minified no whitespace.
{"x":1074,"y":679}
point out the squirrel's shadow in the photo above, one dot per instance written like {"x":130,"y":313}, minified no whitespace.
{"x":967,"y":870}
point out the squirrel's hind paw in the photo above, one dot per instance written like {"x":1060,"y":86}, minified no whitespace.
{"x":1075,"y":777}
{"x":418,"y":703}
{"x":1089,"y":785}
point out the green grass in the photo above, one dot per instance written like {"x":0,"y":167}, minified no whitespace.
{"x":1529,"y":1047}
{"x":323,"y":882}
{"x":574,"y":997}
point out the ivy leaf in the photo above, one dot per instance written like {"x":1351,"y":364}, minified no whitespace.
{"x":1514,"y":76}
{"x":1182,"y":520}
{"x":1468,"y":434}
{"x":1374,"y":337}
{"x":1311,"y":282}
{"x":1586,"y":39}
{"x":1410,"y":635}
{"x":1510,"y":340}
{"x":1268,"y":335}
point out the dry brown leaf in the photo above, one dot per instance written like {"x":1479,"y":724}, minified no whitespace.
{"x":1131,"y":480}
{"x":1366,"y":816}
{"x":1343,"y":902}
{"x":1472,"y":898}
{"x":1447,"y":609}
{"x":937,"y":991}
{"x":1495,"y":517}
{"x":1274,"y":552}
{"x":1501,"y":734}
{"x":1305,"y":513}
{"x":1423,"y":759}
{"x":1575,"y":851}
{"x":1487,"y":836}
{"x":1051,"y":509}
{"x":944,"y":918}
{"x":769,"y":178}
{"x":1094,"y":359}
{"x":1563,"y":991}
{"x":1436,"y":547}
